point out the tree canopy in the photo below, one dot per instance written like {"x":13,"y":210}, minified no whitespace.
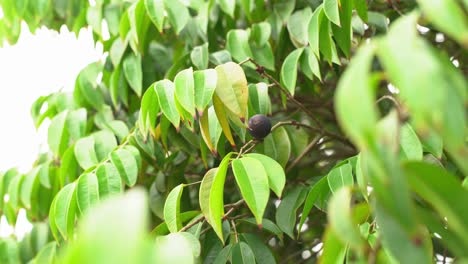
{"x":356,"y":152}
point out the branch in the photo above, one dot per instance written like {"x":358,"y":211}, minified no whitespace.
{"x":231,"y":207}
{"x":309,"y":147}
{"x":261,"y":70}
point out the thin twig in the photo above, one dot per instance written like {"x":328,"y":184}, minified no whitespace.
{"x":235,"y":231}
{"x":309,"y":147}
{"x":231,"y":206}
{"x":261,"y":70}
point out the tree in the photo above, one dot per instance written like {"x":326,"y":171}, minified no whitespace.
{"x":151,"y":159}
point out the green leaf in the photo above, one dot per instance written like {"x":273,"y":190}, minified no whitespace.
{"x":260,"y":33}
{"x":205,"y":129}
{"x":220,"y":57}
{"x":343,"y":34}
{"x":44,"y":174}
{"x":318,"y":194}
{"x":14,"y":191}
{"x":224,"y":255}
{"x":165,"y":92}
{"x":314,"y":31}
{"x":340,"y":176}
{"x":410,"y":145}
{"x":172,"y":209}
{"x":361,"y":8}
{"x":211,"y":195}
{"x":237,"y":43}
{"x":437,"y":225}
{"x":85,"y":153}
{"x":440,"y":110}
{"x":309,"y":64}
{"x":76,"y":123}
{"x":259,"y":100}
{"x":113,"y":231}
{"x":126,"y":164}
{"x":331,"y":9}
{"x":149,"y":111}
{"x":85,"y":86}
{"x":199,"y":56}
{"x":204,"y":85}
{"x":109,"y":180}
{"x":264,"y":56}
{"x":185,"y":217}
{"x":357,"y":119}
{"x":274,"y":171}
{"x":155,"y":10}
{"x":29,"y":188}
{"x":133,"y":72}
{"x":94,"y":18}
{"x":267,"y":225}
{"x":118,"y":87}
{"x":242,"y":254}
{"x":379,"y":21}
{"x":177,"y":13}
{"x":261,"y":251}
{"x":298,"y":27}
{"x":252,"y":180}
{"x":117,"y":51}
{"x":9,"y":252}
{"x":284,"y":8}
{"x":334,"y":250}
{"x":47,"y":254}
{"x":433,"y":143}
{"x":68,"y":170}
{"x":64,"y":209}
{"x":448,"y":17}
{"x":326,"y":44}
{"x":87,"y":191}
{"x":341,"y":221}
{"x":184,"y":90}
{"x":138,"y":22}
{"x":443,"y":191}
{"x":187,"y":245}
{"x":289,"y":70}
{"x":104,"y":143}
{"x":227,"y":6}
{"x":58,"y":134}
{"x":231,"y":88}
{"x":287,"y":209}
{"x":277,"y":146}
{"x":400,"y":244}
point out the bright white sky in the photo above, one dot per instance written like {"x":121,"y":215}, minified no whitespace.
{"x":37,"y":65}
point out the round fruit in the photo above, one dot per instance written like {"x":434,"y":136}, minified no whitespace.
{"x":259,"y":126}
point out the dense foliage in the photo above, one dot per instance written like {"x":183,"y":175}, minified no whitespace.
{"x":150,"y":159}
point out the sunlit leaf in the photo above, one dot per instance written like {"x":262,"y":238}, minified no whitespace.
{"x":155,"y":9}
{"x":165,"y":91}
{"x":172,"y":209}
{"x":185,"y":91}
{"x":211,"y":195}
{"x":126,"y":165}
{"x":274,"y":171}
{"x":204,"y":85}
{"x":287,"y":209}
{"x":177,"y":14}
{"x":252,"y":180}
{"x":289,"y":70}
{"x":64,"y":207}
{"x":133,"y":72}
{"x":87,"y":191}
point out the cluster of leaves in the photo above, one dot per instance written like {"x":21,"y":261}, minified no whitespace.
{"x":378,"y":180}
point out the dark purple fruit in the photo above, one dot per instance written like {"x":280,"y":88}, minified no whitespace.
{"x":259,"y":126}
